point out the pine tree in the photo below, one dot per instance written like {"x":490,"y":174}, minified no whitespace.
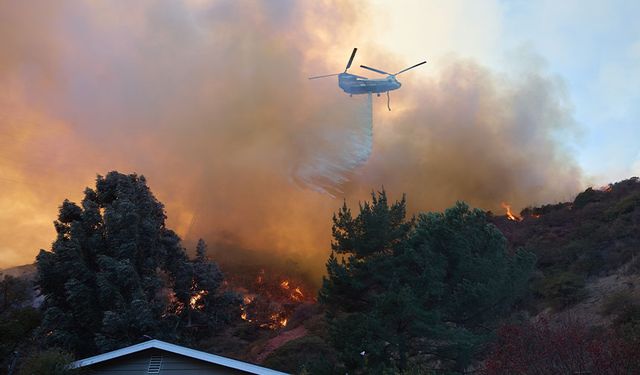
{"x":424,"y":289}
{"x":115,"y":273}
{"x":209,"y":309}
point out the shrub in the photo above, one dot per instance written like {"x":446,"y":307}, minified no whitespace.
{"x":617,"y":303}
{"x":562,"y":289}
{"x":49,"y":362}
{"x":310,"y":353}
{"x":539,"y":348}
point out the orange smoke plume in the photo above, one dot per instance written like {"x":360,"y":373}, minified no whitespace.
{"x":211,"y":103}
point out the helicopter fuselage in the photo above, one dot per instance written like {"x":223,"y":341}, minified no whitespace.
{"x":354,"y":85}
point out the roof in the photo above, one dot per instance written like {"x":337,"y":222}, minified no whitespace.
{"x":177,"y":349}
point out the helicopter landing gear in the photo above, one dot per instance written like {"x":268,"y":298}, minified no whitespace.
{"x":378,"y":94}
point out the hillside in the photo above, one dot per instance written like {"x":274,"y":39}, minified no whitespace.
{"x":586,"y":249}
{"x":596,"y":233}
{"x":587,"y":270}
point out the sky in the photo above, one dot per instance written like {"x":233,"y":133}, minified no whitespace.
{"x":592,"y":46}
{"x":520,"y":102}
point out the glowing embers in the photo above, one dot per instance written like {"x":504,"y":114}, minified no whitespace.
{"x":510,"y":214}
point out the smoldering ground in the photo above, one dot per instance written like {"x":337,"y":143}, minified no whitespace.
{"x":210,"y":101}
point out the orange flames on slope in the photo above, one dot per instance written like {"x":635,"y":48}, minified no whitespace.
{"x":270,"y":301}
{"x":510,"y":214}
{"x":296,"y":293}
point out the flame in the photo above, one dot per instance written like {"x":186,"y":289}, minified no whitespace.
{"x":174,"y":306}
{"x":270,"y":299}
{"x":247,"y":299}
{"x":606,"y":188}
{"x":509,"y":214}
{"x":193,"y":302}
{"x":297,"y":294}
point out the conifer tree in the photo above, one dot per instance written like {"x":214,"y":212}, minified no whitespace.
{"x":115,"y":273}
{"x":210,"y":309}
{"x":424,"y":290}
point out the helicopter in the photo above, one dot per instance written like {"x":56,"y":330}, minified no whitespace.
{"x":354,"y":85}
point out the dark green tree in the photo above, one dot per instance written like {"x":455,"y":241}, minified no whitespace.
{"x":49,"y":362}
{"x":210,"y":309}
{"x":400,"y":292}
{"x":115,"y":273}
{"x":15,"y":292}
{"x":18,"y":319}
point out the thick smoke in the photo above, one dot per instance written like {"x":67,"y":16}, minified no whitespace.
{"x":210,"y":101}
{"x":470,"y":134}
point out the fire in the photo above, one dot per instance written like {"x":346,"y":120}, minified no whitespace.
{"x":193,"y":302}
{"x":509,"y":214}
{"x":269,"y":300}
{"x":297,"y":295}
{"x":247,"y":299}
{"x":276,"y":321}
{"x":606,"y":188}
{"x":174,"y":306}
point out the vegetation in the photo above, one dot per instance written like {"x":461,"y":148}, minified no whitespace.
{"x":561,"y":289}
{"x":423,"y":295}
{"x":116,"y":275}
{"x":310,"y":353}
{"x":49,"y":362}
{"x":403,"y":291}
{"x":18,"y":319}
{"x":568,"y":347}
{"x":591,"y":236}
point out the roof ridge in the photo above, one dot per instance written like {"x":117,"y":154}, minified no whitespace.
{"x":180,"y":350}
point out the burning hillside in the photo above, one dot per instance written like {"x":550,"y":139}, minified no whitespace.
{"x":269,"y":297}
{"x":592,"y":235}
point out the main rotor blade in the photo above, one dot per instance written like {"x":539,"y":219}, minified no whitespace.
{"x":411,"y":67}
{"x":324,"y":76}
{"x":375,"y":70}
{"x":353,"y":54}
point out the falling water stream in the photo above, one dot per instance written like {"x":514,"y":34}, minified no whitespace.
{"x":326,"y":172}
